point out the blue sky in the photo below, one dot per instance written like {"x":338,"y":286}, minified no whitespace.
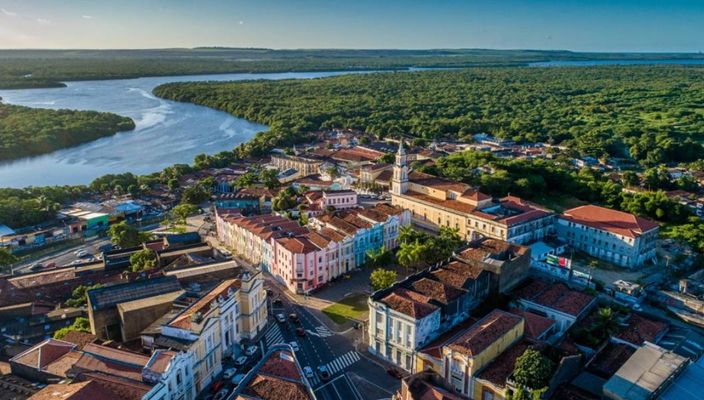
{"x":594,"y":25}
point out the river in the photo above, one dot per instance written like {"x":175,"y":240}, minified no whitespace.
{"x":166,"y":132}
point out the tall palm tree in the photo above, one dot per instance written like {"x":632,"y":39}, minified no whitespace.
{"x":406,"y":234}
{"x":376,"y":257}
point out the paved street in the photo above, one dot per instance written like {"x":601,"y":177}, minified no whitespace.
{"x":322,"y":347}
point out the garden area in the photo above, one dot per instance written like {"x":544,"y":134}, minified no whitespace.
{"x":352,"y":307}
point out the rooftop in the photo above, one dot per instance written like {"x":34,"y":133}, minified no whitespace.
{"x":556,"y":296}
{"x":492,"y":249}
{"x":644,"y":374}
{"x":606,"y":219}
{"x":641,"y":330}
{"x":89,"y":390}
{"x":437,"y":291}
{"x":485,"y":332}
{"x":203,"y":305}
{"x":410,"y":303}
{"x":535,"y":325}
{"x":110,"y":296}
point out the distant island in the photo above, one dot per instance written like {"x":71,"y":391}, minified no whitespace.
{"x":49,"y":68}
{"x":28,"y":131}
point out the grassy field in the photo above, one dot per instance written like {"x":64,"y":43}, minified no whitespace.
{"x":349,"y":308}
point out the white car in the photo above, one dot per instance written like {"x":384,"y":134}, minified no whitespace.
{"x":251,"y":350}
{"x":221,"y":395}
{"x":281,"y":318}
{"x":237,"y":379}
{"x":308,"y":371}
{"x":294,"y":346}
{"x":240,"y":361}
{"x":81,"y":253}
{"x":229,"y":373}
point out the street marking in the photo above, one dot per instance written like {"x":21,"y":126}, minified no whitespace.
{"x":354,"y":389}
{"x":273,"y":336}
{"x":342,"y":362}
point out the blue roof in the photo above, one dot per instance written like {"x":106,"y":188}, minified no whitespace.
{"x":6,"y":231}
{"x":688,"y":384}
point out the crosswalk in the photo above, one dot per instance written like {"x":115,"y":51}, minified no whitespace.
{"x":321,"y":331}
{"x":273,"y":336}
{"x":343,"y":362}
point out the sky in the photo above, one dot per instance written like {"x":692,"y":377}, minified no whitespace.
{"x":578,"y":25}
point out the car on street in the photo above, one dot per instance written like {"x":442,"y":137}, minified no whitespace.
{"x":280,"y":318}
{"x":80,"y":253}
{"x":229,"y":373}
{"x":240,"y":361}
{"x":395,"y":373}
{"x":221,"y":395}
{"x":294,"y":346}
{"x":251,"y":350}
{"x":300,"y":332}
{"x":105,"y":248}
{"x":237,"y":379}
{"x":308,"y":371}
{"x":278,"y":303}
{"x":37,"y":267}
{"x":323,"y":372}
{"x":294,"y":317}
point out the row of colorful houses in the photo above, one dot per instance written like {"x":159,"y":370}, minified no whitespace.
{"x":305,"y":258}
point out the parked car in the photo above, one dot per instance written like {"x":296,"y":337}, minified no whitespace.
{"x":294,"y":317}
{"x":300,"y":332}
{"x":294,"y":346}
{"x":217,"y":385}
{"x":37,"y":267}
{"x":395,"y":373}
{"x":240,"y":361}
{"x":280,"y":318}
{"x":221,"y":395}
{"x":81,"y":253}
{"x":308,"y":371}
{"x":323,"y":372}
{"x":251,"y":350}
{"x":229,"y":373}
{"x":237,"y":379}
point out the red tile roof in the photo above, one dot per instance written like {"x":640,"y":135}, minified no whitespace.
{"x":499,"y":370}
{"x":89,"y":390}
{"x":607,"y":361}
{"x":556,"y":296}
{"x":641,"y":329}
{"x":185,"y":318}
{"x":410,"y":303}
{"x":535,"y":325}
{"x":486,"y":331}
{"x":44,"y":353}
{"x":437,"y":291}
{"x":609,"y":220}
{"x":298,"y":245}
{"x":497,"y":249}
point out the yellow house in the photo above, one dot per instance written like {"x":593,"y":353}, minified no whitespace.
{"x":253,"y":313}
{"x":468,"y":353}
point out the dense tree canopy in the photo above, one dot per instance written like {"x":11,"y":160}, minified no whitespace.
{"x":652,"y":114}
{"x":28,"y":131}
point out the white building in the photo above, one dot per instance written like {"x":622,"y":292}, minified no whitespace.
{"x":614,"y":236}
{"x":171,"y":373}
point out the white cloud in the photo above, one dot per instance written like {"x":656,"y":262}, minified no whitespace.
{"x":241,"y":22}
{"x":8,"y":13}
{"x":43,"y":21}
{"x":87,"y":16}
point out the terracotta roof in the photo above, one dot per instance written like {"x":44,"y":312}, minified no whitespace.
{"x":410,"y":303}
{"x":435,"y":182}
{"x":613,"y":221}
{"x":499,"y":370}
{"x":78,"y":338}
{"x":423,"y":390}
{"x":485,"y":332}
{"x":607,"y":361}
{"x":160,"y":360}
{"x":44,"y":353}
{"x":457,"y":274}
{"x":496,"y":249}
{"x":92,"y":363}
{"x":556,"y":296}
{"x":270,"y":388}
{"x":89,"y":390}
{"x":125,"y":389}
{"x":535,"y":324}
{"x":202,"y":306}
{"x":298,"y":245}
{"x":450,"y":204}
{"x":437,"y":291}
{"x":278,"y":365}
{"x":476,"y":195}
{"x":434,"y":348}
{"x":641,"y":329}
{"x":62,"y":365}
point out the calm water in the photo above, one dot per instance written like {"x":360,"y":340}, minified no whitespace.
{"x":589,"y":63}
{"x":167,"y":132}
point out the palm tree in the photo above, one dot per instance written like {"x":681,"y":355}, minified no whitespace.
{"x":406,"y":234}
{"x":410,"y":254}
{"x":376,"y":257}
{"x":606,"y":321}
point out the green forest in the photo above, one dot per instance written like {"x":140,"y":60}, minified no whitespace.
{"x":28,"y":131}
{"x":48,"y":68}
{"x":653,"y":114}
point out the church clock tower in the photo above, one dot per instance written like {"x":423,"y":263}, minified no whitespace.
{"x":399,"y":181}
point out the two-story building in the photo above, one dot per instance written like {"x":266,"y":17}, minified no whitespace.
{"x":614,"y":236}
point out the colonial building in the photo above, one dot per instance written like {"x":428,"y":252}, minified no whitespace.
{"x":415,"y":311}
{"x":614,"y":236}
{"x":436,"y":202}
{"x":304,"y":165}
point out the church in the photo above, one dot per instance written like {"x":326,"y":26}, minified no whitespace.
{"x":436,"y":202}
